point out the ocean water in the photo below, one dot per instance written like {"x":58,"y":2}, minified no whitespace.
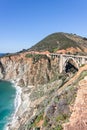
{"x":7,"y":103}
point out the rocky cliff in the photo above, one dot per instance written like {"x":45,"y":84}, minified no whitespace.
{"x":59,"y":105}
{"x":28,"y":70}
{"x":49,"y":103}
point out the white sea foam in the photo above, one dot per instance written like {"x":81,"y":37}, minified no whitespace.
{"x":17,"y":103}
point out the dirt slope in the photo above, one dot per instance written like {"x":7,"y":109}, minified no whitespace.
{"x":78,"y":119}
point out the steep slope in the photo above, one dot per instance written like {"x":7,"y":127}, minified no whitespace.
{"x":52,"y":105}
{"x":62,"y":41}
{"x":78,"y":119}
{"x":28,"y":70}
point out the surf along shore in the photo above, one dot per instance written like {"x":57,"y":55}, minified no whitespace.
{"x":22,"y":106}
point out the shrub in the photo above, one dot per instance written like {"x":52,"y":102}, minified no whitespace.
{"x":45,"y":122}
{"x":29,"y":55}
{"x":36,"y":57}
{"x":39,"y":117}
{"x":61,"y":117}
{"x":59,"y":127}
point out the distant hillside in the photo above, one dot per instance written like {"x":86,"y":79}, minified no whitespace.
{"x":61,"y":41}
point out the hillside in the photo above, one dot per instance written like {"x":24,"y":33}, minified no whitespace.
{"x":55,"y":106}
{"x":62,"y":41}
{"x":50,"y":100}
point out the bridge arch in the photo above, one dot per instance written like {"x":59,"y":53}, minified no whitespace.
{"x":70,"y":65}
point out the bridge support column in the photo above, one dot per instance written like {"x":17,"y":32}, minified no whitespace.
{"x":83,"y":61}
{"x":61,"y":64}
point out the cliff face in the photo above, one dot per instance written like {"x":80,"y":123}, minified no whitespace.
{"x":78,"y":119}
{"x":26,"y":71}
{"x":51,"y":102}
{"x":58,"y":105}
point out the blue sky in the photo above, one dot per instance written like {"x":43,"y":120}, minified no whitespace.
{"x":25,"y":22}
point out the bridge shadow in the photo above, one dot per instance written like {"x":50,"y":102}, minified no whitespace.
{"x":70,"y":68}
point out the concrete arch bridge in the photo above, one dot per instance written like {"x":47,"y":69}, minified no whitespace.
{"x":66,"y":60}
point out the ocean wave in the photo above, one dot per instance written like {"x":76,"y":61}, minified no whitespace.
{"x":17,"y":103}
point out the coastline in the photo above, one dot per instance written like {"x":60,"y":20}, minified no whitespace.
{"x":17,"y":103}
{"x":22,"y":104}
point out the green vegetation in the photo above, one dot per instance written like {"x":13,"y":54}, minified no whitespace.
{"x":29,"y":55}
{"x":59,"y":112}
{"x":58,"y":127}
{"x":82,"y":75}
{"x":61,"y":117}
{"x":35,"y":122}
{"x":39,"y":117}
{"x":45,"y":122}
{"x":54,"y":42}
{"x":36,"y":57}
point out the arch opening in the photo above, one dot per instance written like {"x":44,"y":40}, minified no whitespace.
{"x":71,"y":66}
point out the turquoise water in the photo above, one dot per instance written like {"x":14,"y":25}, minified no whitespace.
{"x":7,"y":106}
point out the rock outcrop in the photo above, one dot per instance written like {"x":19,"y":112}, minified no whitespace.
{"x":26,"y":71}
{"x":78,"y":119}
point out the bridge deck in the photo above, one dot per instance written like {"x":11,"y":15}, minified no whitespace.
{"x":66,"y":55}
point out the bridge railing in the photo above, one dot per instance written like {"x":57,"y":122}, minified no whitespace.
{"x":66,"y":55}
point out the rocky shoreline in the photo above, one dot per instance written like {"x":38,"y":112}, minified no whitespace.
{"x":19,"y":117}
{"x":25,"y":73}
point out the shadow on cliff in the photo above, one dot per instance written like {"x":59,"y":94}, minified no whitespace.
{"x":2,"y":69}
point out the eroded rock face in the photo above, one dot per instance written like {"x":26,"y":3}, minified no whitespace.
{"x":26,"y":72}
{"x":45,"y":107}
{"x":78,"y":119}
{"x":2,"y":71}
